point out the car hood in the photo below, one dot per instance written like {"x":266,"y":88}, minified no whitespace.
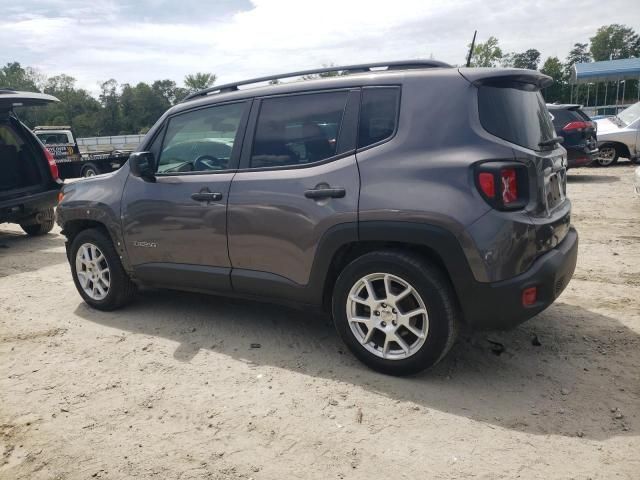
{"x":606,"y":126}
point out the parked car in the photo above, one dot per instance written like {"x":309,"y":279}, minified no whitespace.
{"x":619,"y":136}
{"x":578,"y":132}
{"x":62,"y":144}
{"x":405,"y":201}
{"x":29,"y":181}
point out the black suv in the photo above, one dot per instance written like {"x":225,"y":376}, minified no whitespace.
{"x":578,"y":132}
{"x":405,"y":198}
{"x":29,"y":181}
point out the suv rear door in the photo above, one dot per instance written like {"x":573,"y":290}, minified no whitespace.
{"x":175,"y":227}
{"x":298,"y":180}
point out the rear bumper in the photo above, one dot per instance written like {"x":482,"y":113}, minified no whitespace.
{"x":21,"y":208}
{"x":580,"y":157}
{"x":498,"y":305}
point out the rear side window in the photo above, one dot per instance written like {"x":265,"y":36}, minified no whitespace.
{"x":298,"y":129}
{"x":561,"y":117}
{"x":516,"y":114}
{"x":378,"y":115}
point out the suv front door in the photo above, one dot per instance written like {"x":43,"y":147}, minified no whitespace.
{"x":175,"y":228}
{"x":298,"y":179}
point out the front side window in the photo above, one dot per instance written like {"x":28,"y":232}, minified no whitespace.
{"x":378,"y":115}
{"x":297,"y":130}
{"x":201,"y":140}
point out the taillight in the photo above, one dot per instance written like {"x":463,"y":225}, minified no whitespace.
{"x":53,"y":167}
{"x":509,"y":186}
{"x":576,"y":126}
{"x":504,"y":185}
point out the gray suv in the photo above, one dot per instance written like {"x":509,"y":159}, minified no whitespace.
{"x":405,"y":198}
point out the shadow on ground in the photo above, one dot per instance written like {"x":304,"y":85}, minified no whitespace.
{"x":16,"y":249}
{"x":592,"y":179}
{"x":586,"y":364}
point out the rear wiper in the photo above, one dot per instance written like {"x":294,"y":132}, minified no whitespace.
{"x":551,"y":142}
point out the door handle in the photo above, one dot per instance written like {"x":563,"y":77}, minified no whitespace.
{"x":206,"y":196}
{"x":317,"y":193}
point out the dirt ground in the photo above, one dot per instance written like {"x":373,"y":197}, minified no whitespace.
{"x":171,"y":387}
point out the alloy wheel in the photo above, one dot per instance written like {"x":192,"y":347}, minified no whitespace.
{"x":387,"y":315}
{"x":606,"y":156}
{"x":92,"y":271}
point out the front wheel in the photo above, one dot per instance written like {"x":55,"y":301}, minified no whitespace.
{"x":395,"y":311}
{"x":608,"y":155}
{"x":98,"y":273}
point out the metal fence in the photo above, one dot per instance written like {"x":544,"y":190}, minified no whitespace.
{"x":101,"y":144}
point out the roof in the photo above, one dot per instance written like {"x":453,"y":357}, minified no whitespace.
{"x":608,"y":70}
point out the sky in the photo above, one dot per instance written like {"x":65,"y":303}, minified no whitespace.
{"x":147,"y":40}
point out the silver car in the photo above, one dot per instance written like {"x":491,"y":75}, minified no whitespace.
{"x":619,"y":136}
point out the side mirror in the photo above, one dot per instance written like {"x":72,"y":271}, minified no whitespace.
{"x":143,"y":165}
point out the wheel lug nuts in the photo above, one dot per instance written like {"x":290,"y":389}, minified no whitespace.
{"x":384,"y":324}
{"x":376,"y":313}
{"x":384,"y":305}
{"x":394,"y":323}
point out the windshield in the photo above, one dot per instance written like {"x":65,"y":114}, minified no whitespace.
{"x":629,"y":115}
{"x":517,"y":114}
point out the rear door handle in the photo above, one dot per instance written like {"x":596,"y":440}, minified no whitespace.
{"x":317,"y":193}
{"x":206,"y":196}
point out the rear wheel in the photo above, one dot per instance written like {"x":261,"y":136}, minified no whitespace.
{"x":42,"y":228}
{"x":396,"y":312}
{"x":98,"y":273}
{"x":608,"y":155}
{"x":90,"y":170}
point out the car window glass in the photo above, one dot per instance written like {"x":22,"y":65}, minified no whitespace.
{"x":515,"y":113}
{"x":200,"y":140}
{"x":296,"y":130}
{"x":561,"y":117}
{"x":378,"y":114}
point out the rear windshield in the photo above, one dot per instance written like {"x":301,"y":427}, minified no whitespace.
{"x":515,"y":113}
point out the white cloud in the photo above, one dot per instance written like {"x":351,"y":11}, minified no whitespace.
{"x":154,"y":39}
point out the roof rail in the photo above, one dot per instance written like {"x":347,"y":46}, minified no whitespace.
{"x":364,"y":67}
{"x":53,"y":127}
{"x":7,"y":90}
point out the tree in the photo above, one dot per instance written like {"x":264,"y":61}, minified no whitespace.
{"x":554,"y":68}
{"x":199,"y":81}
{"x":12,"y":75}
{"x":615,"y":41}
{"x":529,"y":59}
{"x":110,"y":100}
{"x":486,"y":54}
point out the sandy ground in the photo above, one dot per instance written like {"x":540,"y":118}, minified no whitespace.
{"x":171,"y":387}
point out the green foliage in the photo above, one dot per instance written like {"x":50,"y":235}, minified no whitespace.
{"x":199,"y":81}
{"x":529,"y":59}
{"x":486,"y":54}
{"x":615,"y":41}
{"x":554,"y":68}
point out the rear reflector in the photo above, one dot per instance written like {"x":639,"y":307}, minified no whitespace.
{"x":53,"y":167}
{"x":509,"y":186}
{"x":487,"y":185}
{"x":529,"y":296}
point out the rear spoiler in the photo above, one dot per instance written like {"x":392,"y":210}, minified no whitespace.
{"x":479,"y":76}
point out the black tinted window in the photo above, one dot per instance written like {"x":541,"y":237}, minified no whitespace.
{"x":378,"y":114}
{"x":562,"y":117}
{"x":297,"y":130}
{"x":517,"y":115}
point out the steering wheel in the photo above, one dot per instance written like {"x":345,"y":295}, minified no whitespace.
{"x":207,"y":162}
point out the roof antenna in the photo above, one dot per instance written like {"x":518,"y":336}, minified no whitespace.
{"x":473,"y":44}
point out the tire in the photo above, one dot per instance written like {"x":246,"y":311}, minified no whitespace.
{"x":635,"y":161}
{"x":43,"y":227}
{"x":118,"y":290}
{"x":438,"y":327}
{"x":89,"y":170}
{"x":610,"y":158}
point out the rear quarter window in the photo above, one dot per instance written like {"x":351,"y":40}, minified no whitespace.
{"x":515,"y":113}
{"x":378,"y":115}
